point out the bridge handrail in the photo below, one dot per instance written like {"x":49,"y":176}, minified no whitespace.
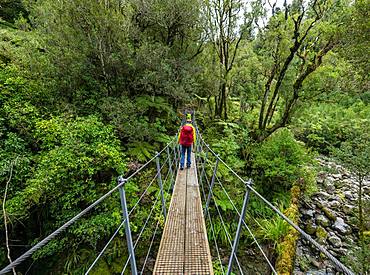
{"x":51,"y":236}
{"x":345,"y":269}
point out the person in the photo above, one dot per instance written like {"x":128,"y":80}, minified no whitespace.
{"x":187,"y":138}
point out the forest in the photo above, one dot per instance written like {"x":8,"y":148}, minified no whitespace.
{"x":91,"y":90}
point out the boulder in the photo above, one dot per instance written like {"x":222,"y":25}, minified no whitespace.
{"x":322,"y":220}
{"x":341,"y":227}
{"x":330,"y":188}
{"x":328,"y":213}
{"x":310,"y":228}
{"x":348,"y":209}
{"x":334,"y":204}
{"x":335,"y":241}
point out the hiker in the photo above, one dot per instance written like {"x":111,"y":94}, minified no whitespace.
{"x":186,"y":140}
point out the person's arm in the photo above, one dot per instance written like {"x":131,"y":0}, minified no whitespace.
{"x":178,"y":138}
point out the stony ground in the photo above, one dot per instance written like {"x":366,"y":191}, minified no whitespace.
{"x":330,"y":217}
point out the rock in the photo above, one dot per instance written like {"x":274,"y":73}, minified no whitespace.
{"x":334,"y":204}
{"x":366,"y":190}
{"x":337,"y":176}
{"x":330,"y":188}
{"x":348,"y":209}
{"x":342,"y":227}
{"x":321,"y":235}
{"x":349,"y":195}
{"x":322,"y":195}
{"x":329,"y":213}
{"x":335,"y":241}
{"x":308,"y":213}
{"x":322,"y":220}
{"x":310,"y":228}
{"x":316,"y":272}
{"x":314,"y":262}
{"x":340,"y":251}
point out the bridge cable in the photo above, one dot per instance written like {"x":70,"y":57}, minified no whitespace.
{"x":212,"y":229}
{"x":345,"y":269}
{"x":247,"y":227}
{"x":51,"y":236}
{"x":223,"y":224}
{"x":146,"y":222}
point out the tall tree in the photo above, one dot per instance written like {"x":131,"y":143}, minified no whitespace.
{"x":294,"y":42}
{"x":226,"y":30}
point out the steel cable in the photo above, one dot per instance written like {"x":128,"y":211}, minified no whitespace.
{"x":51,"y":236}
{"x":345,"y":269}
{"x":105,"y":247}
{"x":246,"y":226}
{"x":146,"y":190}
{"x":223,"y":224}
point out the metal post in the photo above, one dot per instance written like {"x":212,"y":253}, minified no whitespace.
{"x":121,"y":183}
{"x":237,"y":235}
{"x":211,"y":187}
{"x":203,"y":168}
{"x":159,"y":177}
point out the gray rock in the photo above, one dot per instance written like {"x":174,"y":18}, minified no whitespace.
{"x":342,"y":227}
{"x":322,"y":220}
{"x":348,"y":209}
{"x":310,"y":228}
{"x":330,"y":188}
{"x":322,"y":195}
{"x":335,"y":241}
{"x":366,"y":190}
{"x":316,"y":272}
{"x":337,"y":176}
{"x":334,"y":204}
{"x":349,"y":195}
{"x":308,"y":212}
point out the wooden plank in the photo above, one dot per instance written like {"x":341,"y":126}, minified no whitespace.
{"x":184,"y":246}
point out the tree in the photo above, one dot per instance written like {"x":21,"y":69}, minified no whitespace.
{"x":226,"y":30}
{"x":294,"y":43}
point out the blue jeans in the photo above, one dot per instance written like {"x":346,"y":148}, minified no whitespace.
{"x":183,"y":151}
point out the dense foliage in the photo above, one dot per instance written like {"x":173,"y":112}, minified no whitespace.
{"x":89,"y":90}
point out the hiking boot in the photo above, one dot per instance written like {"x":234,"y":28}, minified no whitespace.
{"x":181,"y":168}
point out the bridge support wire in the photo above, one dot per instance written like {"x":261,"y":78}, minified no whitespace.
{"x":228,"y":236}
{"x":247,"y":227}
{"x":342,"y":267}
{"x":211,"y":223}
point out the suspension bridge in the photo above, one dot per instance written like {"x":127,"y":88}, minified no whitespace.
{"x":185,"y":246}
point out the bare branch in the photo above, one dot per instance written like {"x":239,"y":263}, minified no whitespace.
{"x":5,"y":215}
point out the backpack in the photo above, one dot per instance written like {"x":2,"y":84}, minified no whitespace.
{"x":187,"y":136}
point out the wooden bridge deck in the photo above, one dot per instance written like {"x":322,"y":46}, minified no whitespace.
{"x":184,"y":246}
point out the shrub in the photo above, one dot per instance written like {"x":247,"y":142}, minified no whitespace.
{"x":277,"y":163}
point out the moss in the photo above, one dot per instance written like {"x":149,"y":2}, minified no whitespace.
{"x":329,"y":214}
{"x":287,"y":248}
{"x":321,"y":234}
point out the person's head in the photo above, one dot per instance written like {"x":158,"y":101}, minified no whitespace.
{"x":188,"y":118}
